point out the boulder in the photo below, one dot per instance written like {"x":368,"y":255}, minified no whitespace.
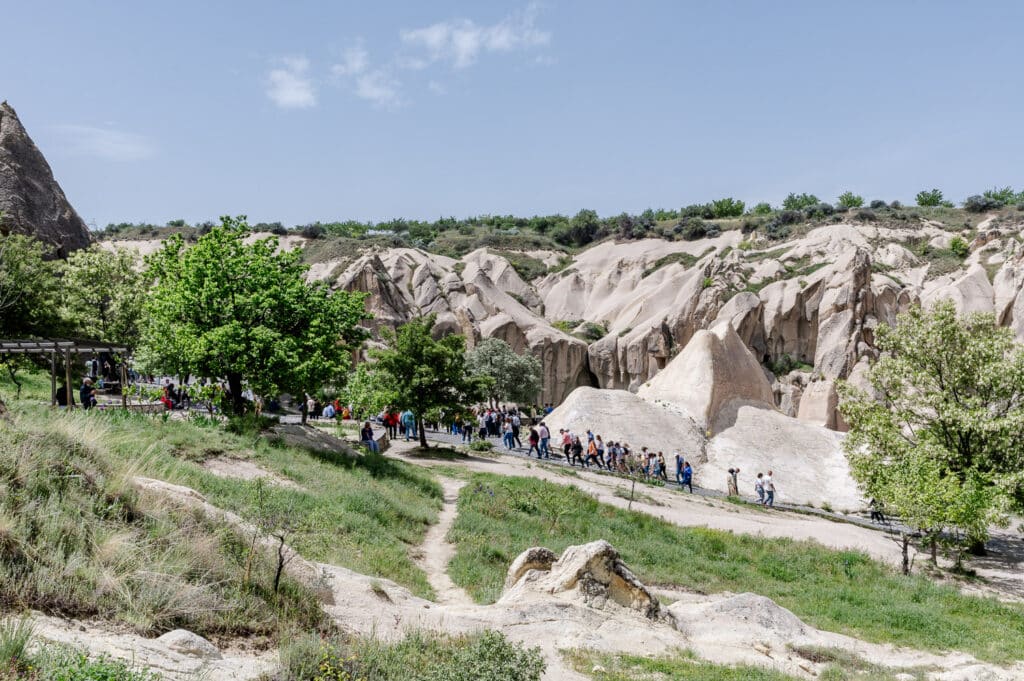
{"x":31,"y":201}
{"x":818,"y":403}
{"x":970,"y":292}
{"x":594,"y":574}
{"x":187,"y":643}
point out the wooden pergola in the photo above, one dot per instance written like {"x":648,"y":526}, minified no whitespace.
{"x":66,"y":348}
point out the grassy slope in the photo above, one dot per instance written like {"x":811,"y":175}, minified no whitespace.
{"x":842,"y":591}
{"x":76,"y":539}
{"x":362,"y":515}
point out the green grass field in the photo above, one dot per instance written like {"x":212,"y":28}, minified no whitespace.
{"x":363,"y":513}
{"x":843,"y":591}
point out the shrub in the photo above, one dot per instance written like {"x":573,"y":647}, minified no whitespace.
{"x":763,"y":208}
{"x":1004,"y":195}
{"x":313,"y":231}
{"x":750,"y":225}
{"x":866,"y":214}
{"x":789,"y":217}
{"x":878,"y":204}
{"x":895,"y":205}
{"x":698,"y":210}
{"x":930,"y":198}
{"x":959,"y":247}
{"x":746,"y":245}
{"x":776,"y":229}
{"x":850,"y":200}
{"x":692,"y":229}
{"x":818,"y":210}
{"x":980,"y":204}
{"x":481,"y":445}
{"x":799,"y":201}
{"x":727,"y":208}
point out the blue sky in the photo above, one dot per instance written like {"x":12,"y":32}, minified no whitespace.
{"x":302,"y":111}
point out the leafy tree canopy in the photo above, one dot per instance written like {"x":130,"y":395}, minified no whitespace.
{"x":28,"y":289}
{"x":941,"y":439}
{"x":427,"y":374}
{"x":850,"y":200}
{"x":224,"y":308}
{"x":799,"y":201}
{"x":103,"y":294}
{"x":513,"y":378}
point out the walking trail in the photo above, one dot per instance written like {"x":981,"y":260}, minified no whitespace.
{"x":436,"y":551}
{"x":1003,"y":571}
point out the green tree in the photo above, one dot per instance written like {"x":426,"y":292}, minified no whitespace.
{"x":513,"y":377}
{"x":245,"y":312}
{"x":1004,"y":195}
{"x":367,"y":391}
{"x":763,"y":208}
{"x":727,"y":208}
{"x":930,"y":198}
{"x":850,"y":200}
{"x":799,"y":201}
{"x":103,"y":294}
{"x":28,"y":289}
{"x":940,"y":438}
{"x":427,"y":373}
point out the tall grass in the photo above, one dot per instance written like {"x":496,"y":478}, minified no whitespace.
{"x":76,"y":540}
{"x":362,"y":513}
{"x":844,"y":591}
{"x":420,"y":656}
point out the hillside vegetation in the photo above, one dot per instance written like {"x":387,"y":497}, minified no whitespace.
{"x":843,"y":591}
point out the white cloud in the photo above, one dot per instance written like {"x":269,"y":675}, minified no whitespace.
{"x":106,"y":143}
{"x":355,"y":61}
{"x":437,"y":88}
{"x":379,"y":87}
{"x":461,"y":41}
{"x":289,"y":86}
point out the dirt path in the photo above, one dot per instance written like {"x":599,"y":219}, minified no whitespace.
{"x":436,"y":552}
{"x":679,"y":508}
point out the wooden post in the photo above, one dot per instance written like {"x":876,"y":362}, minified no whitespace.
{"x":124,"y":385}
{"x":53,"y":378}
{"x":67,"y":376}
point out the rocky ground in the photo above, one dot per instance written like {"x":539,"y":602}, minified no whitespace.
{"x":584,"y":598}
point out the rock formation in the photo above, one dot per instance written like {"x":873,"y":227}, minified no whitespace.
{"x":31,"y":201}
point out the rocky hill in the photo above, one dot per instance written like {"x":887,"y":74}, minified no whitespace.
{"x":31,"y":201}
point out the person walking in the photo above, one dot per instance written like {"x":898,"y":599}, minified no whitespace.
{"x":545,"y":441}
{"x":687,"y":477}
{"x":769,"y":491}
{"x":732,"y":482}
{"x":577,"y":451}
{"x":662,"y":466}
{"x":534,"y":438}
{"x":759,"y":488}
{"x":679,"y":467}
{"x":517,"y":424}
{"x":507,"y":437}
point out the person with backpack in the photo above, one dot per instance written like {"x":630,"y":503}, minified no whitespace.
{"x":577,"y":451}
{"x":592,"y":454}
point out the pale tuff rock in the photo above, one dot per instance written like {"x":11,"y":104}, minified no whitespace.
{"x":818,"y":403}
{"x":31,"y":201}
{"x":481,"y":298}
{"x":971,"y":292}
{"x":187,"y":643}
{"x":714,"y":369}
{"x":622,"y":416}
{"x":594,"y":572}
{"x":808,"y":460}
{"x":535,"y":558}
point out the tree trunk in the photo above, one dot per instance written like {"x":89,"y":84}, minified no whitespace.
{"x":977,"y":548}
{"x":13,"y":371}
{"x":423,"y":432}
{"x":235,"y":386}
{"x":935,"y":551}
{"x":905,"y":547}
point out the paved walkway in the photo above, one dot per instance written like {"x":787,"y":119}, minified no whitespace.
{"x":558,"y":460}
